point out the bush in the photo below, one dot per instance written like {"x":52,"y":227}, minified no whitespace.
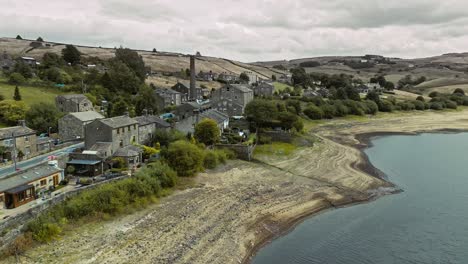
{"x":372,"y":107}
{"x":340,"y":109}
{"x":211,"y":160}
{"x":328,"y":110}
{"x":313,"y":112}
{"x":433,"y":94}
{"x":436,"y":106}
{"x":459,"y":91}
{"x":419,"y":105}
{"x":185,"y":158}
{"x":451,"y":105}
{"x":420,"y":98}
{"x":16,"y":79}
{"x":385,"y":106}
{"x":406,"y":106}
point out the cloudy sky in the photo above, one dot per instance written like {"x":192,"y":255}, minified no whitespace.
{"x":248,"y":30}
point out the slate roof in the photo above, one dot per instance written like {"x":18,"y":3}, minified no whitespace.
{"x":17,"y":130}
{"x":241,"y":87}
{"x":215,"y":115}
{"x":165,"y":91}
{"x":87,"y":116}
{"x":26,"y":177}
{"x":74,"y":97}
{"x":128,"y":151}
{"x":151,"y":119}
{"x":118,"y":121}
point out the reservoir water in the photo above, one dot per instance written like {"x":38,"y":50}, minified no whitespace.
{"x":427,"y":223}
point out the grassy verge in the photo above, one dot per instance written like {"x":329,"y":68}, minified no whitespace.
{"x":31,"y":95}
{"x":275,"y":148}
{"x":279,"y":87}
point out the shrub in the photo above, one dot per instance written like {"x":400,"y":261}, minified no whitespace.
{"x":459,"y":91}
{"x":16,"y":79}
{"x":328,"y":110}
{"x":406,"y":106}
{"x":313,"y":112}
{"x":434,"y":94}
{"x":385,"y":106}
{"x":162,"y":172}
{"x":211,"y":160}
{"x":340,"y":109}
{"x":420,"y":98}
{"x":207,"y":132}
{"x":185,"y":158}
{"x":372,"y":107}
{"x":451,"y":104}
{"x":418,"y":105}
{"x":436,"y":106}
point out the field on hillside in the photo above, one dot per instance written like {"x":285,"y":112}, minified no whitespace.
{"x":158,"y":61}
{"x":30,"y":95}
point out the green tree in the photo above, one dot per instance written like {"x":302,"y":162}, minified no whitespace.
{"x":16,"y":79}
{"x":244,"y":77}
{"x":40,"y":39}
{"x":133,"y":61}
{"x":12,"y":111}
{"x":106,"y":81}
{"x":41,"y":116}
{"x":273,"y":77}
{"x":207,"y":132}
{"x":17,"y":95}
{"x":119,"y":108}
{"x":185,"y":158}
{"x":313,"y":112}
{"x":71,"y":54}
{"x":420,"y":98}
{"x":122,"y":78}
{"x":261,"y":112}
{"x":18,"y":37}
{"x":24,"y":69}
{"x":300,"y":77}
{"x":373,"y":96}
{"x":50,"y":59}
{"x":145,"y":100}
{"x":433,"y":94}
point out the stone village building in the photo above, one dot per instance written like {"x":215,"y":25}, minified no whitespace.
{"x":264,"y":89}
{"x":147,"y":126}
{"x":72,"y":125}
{"x":71,"y":103}
{"x":232,"y":99}
{"x":114,"y":137}
{"x":183,"y":87}
{"x":22,"y":137}
{"x":167,"y":97}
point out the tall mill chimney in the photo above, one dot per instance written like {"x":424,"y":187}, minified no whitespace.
{"x":193,"y":90}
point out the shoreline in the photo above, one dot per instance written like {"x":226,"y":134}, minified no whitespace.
{"x":363,"y":165}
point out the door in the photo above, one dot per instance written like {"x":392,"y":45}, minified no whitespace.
{"x":56,"y":180}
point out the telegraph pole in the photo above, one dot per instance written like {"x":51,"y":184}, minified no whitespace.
{"x":14,"y":149}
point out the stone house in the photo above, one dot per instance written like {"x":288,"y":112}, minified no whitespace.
{"x":221,"y":119}
{"x":26,"y":186}
{"x":6,"y":62}
{"x":188,"y":124}
{"x":22,"y":137}
{"x":228,"y":78}
{"x":30,"y":61}
{"x":207,"y":76}
{"x":253,"y":77}
{"x":71,"y":103}
{"x":116,"y":132}
{"x":190,"y":109}
{"x":232,"y":99}
{"x":147,"y":126}
{"x":72,"y":125}
{"x":264,"y":89}
{"x":167,"y":97}
{"x":183,"y":87}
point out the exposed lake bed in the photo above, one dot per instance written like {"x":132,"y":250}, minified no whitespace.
{"x":424,"y":224}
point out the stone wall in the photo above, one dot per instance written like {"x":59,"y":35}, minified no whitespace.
{"x":12,"y":227}
{"x":281,"y":136}
{"x":244,"y":152}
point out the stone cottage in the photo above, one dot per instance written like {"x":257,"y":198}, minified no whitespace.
{"x":264,"y":89}
{"x":183,"y":87}
{"x":167,"y":97}
{"x":147,"y":126}
{"x":71,"y":103}
{"x":20,"y":140}
{"x":72,"y":125}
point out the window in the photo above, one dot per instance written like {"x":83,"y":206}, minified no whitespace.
{"x":26,"y":138}
{"x":118,"y":130}
{"x":134,"y":127}
{"x":128,"y":128}
{"x":43,"y":182}
{"x":121,"y":143}
{"x":27,"y":150}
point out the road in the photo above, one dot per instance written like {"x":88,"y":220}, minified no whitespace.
{"x":23,"y":165}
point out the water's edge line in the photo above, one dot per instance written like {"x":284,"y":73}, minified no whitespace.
{"x":363,"y":165}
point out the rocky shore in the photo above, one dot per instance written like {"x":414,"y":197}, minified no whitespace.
{"x":235,"y":210}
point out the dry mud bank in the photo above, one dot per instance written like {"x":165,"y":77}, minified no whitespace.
{"x":236,"y":209}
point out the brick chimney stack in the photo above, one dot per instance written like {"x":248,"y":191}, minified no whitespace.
{"x":193,"y":90}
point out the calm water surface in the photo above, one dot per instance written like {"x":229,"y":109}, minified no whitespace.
{"x":427,"y":223}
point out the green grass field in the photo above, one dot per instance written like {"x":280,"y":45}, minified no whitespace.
{"x":30,"y":95}
{"x":281,"y":86}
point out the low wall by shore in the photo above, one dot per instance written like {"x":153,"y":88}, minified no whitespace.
{"x":12,"y":227}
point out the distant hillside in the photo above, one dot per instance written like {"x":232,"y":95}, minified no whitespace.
{"x":158,"y":61}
